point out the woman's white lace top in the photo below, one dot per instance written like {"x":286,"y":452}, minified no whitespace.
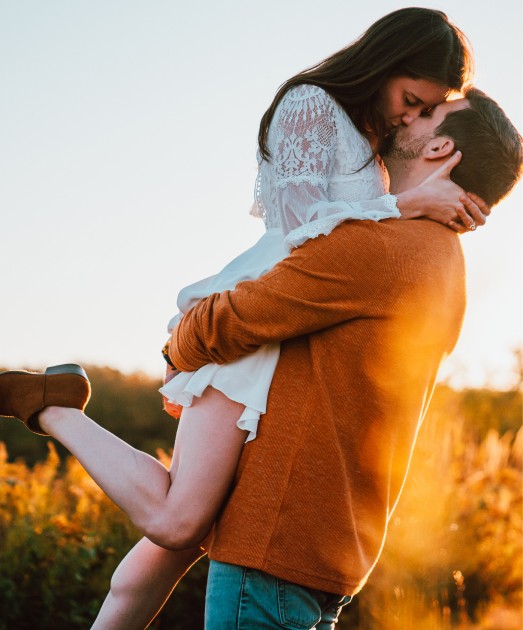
{"x":313,"y":182}
{"x":314,"y":179}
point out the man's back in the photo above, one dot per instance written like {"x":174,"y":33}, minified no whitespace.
{"x":314,"y":491}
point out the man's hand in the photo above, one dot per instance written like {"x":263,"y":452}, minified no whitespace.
{"x":174,"y":410}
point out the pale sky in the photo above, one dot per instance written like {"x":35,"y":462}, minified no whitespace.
{"x":127,"y":164}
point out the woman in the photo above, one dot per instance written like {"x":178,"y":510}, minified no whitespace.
{"x":319,"y":146}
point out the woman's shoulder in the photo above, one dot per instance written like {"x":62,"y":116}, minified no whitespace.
{"x":308,"y":101}
{"x":306,"y":92}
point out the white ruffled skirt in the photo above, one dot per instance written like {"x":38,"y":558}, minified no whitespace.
{"x":247,"y":380}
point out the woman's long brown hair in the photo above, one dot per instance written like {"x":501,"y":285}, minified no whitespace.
{"x":414,"y":42}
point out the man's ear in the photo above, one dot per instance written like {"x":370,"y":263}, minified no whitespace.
{"x":438,"y":148}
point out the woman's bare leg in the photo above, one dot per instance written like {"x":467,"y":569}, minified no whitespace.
{"x":146,"y":577}
{"x":174,"y":515}
{"x":141,"y":585}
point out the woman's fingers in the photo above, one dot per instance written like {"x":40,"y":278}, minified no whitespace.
{"x":465,"y":219}
{"x":482,"y":205}
{"x":445,"y":169}
{"x":462,"y":212}
{"x":471,"y":213}
{"x":478,"y":218}
{"x":457,"y":227}
{"x":474,"y":215}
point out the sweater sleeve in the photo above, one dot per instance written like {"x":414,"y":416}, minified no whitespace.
{"x":327,"y":281}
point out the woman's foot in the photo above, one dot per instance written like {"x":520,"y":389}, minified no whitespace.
{"x":23,"y":394}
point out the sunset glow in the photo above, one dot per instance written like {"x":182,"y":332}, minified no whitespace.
{"x":128,"y":163}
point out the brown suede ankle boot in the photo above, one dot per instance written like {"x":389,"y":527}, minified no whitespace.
{"x":23,"y":395}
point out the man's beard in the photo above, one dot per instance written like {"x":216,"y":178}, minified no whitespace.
{"x":402,"y":146}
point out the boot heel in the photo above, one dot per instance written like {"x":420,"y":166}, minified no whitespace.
{"x":67,"y":368}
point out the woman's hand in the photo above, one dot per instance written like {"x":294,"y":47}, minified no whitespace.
{"x":440,"y":199}
{"x":476,"y":208}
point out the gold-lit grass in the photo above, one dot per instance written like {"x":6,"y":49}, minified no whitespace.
{"x":452,"y":560}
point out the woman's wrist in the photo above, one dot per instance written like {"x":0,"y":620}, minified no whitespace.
{"x":408,"y":203}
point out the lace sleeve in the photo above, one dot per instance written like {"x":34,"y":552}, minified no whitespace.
{"x":311,"y":214}
{"x":303,"y":145}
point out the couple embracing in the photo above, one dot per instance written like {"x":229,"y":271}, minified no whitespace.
{"x":303,"y":370}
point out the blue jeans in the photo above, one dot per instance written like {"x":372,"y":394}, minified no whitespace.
{"x":239,"y":598}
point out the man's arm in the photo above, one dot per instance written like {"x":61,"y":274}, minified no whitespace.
{"x":328,"y":280}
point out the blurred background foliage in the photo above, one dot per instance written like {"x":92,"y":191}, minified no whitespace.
{"x":452,"y":558}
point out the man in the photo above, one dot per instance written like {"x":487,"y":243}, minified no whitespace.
{"x":365,"y":316}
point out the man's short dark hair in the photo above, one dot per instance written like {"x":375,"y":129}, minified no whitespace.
{"x":491,"y":146}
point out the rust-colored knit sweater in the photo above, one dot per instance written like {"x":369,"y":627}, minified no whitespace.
{"x":367,"y":313}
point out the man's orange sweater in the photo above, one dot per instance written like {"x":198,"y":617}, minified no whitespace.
{"x":365,"y":316}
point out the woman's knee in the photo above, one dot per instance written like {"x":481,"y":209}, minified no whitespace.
{"x":124,"y":584}
{"x":179,"y":533}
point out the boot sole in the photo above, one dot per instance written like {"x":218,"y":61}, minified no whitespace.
{"x":64,"y":368}
{"x":55,"y":370}
{"x":67,"y":368}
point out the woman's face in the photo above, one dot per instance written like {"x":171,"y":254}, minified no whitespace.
{"x":403,"y":99}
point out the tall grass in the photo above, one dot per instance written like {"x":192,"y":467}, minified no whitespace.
{"x":60,"y":540}
{"x":453,"y":556}
{"x":452,"y":559}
